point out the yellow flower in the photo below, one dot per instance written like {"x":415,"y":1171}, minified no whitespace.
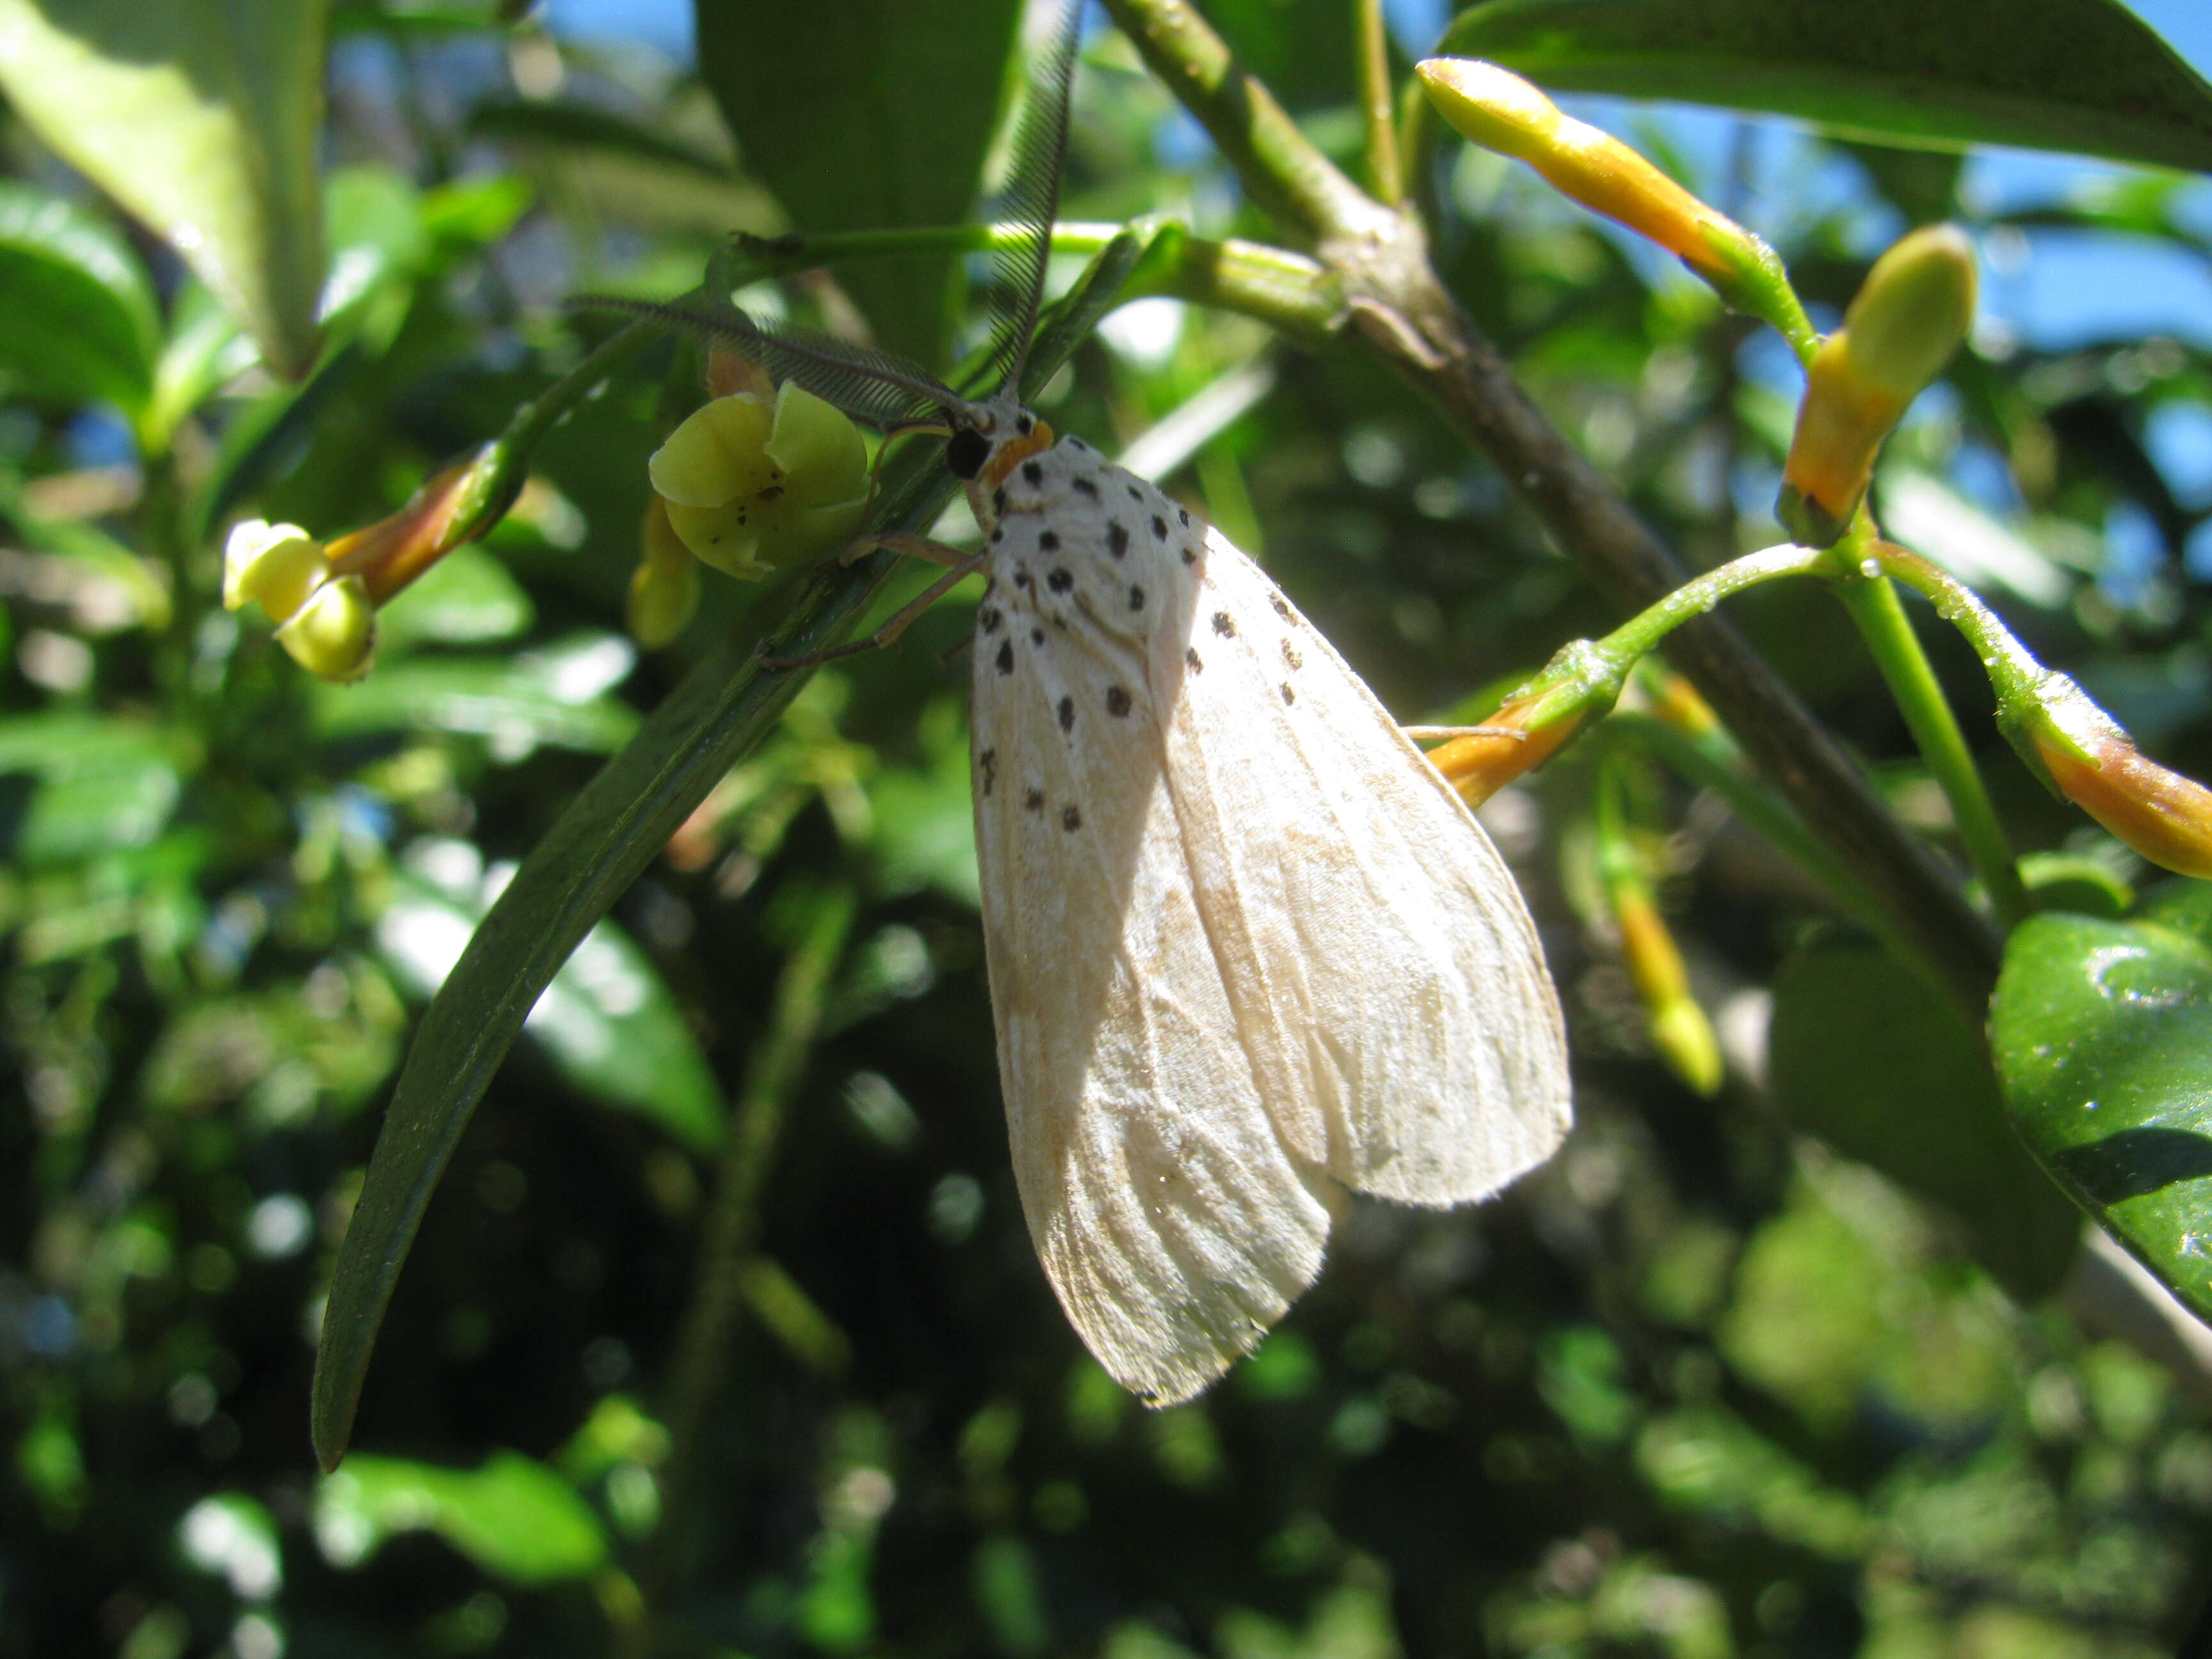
{"x":326,"y":621}
{"x":664,"y":589}
{"x":752,"y":486}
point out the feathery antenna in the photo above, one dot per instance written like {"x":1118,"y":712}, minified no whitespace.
{"x":868,"y":385}
{"x":1031,"y":200}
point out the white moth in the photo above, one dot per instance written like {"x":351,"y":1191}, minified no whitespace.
{"x":1246,"y":947}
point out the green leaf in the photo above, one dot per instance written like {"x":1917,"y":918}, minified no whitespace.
{"x":514,"y":1517}
{"x":202,"y":118}
{"x":1927,"y":1115}
{"x":80,"y":322}
{"x":606,"y":1019}
{"x":553,"y":696}
{"x":867,"y":115}
{"x":2102,"y":1032}
{"x":2082,"y":75}
{"x":467,"y":598}
{"x":614,"y":828}
{"x":82,"y":785}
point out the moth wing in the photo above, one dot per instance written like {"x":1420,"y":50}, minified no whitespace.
{"x":1380,"y":961}
{"x":1171,"y":1220}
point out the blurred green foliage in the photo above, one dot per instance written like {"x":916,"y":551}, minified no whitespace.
{"x":1803,"y":1371}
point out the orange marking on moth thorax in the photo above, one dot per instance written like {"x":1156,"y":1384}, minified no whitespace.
{"x":1011,"y":454}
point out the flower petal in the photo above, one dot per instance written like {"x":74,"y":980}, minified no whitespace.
{"x":717,"y":454}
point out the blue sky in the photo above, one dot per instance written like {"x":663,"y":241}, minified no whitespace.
{"x":2053,"y":291}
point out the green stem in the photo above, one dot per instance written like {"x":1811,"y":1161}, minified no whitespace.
{"x":1874,"y":606}
{"x":1714,"y":763}
{"x":773,"y":1071}
{"x":1642,"y":633}
{"x":1385,"y":176}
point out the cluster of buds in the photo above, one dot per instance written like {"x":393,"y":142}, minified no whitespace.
{"x":2089,"y":758}
{"x":750,"y":483}
{"x":324,"y":598}
{"x":1497,"y":109}
{"x":1906,"y":320}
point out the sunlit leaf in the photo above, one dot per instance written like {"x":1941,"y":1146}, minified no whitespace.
{"x":1928,"y":1115}
{"x":607,"y":1020}
{"x":202,"y":118}
{"x":514,"y":1517}
{"x":73,"y":784}
{"x":2085,"y":75}
{"x":867,"y":114}
{"x":79,"y":324}
{"x":2102,"y":1032}
{"x":553,"y":696}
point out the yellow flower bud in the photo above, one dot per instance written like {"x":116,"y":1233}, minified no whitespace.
{"x":752,"y":487}
{"x":1498,"y":110}
{"x":2090,"y":759}
{"x":1907,"y":318}
{"x":1680,"y":1030}
{"x":663,"y":590}
{"x":333,"y":633}
{"x":276,"y":565}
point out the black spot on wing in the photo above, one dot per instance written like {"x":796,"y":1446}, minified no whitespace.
{"x":1117,"y":538}
{"x":1005,"y":659}
{"x":1033,"y":800}
{"x":1190,"y":555}
{"x":1060,"y":580}
{"x":987,"y":764}
{"x":1291,"y":658}
{"x":1117,"y":701}
{"x":1136,"y":598}
{"x":1067,"y":714}
{"x":1225,"y":624}
{"x":1289,"y":696}
{"x":1159,"y":528}
{"x":1032,"y":472}
{"x":988,"y":618}
{"x":1048,"y":542}
{"x":1282,"y":607}
{"x":1182,"y":516}
{"x":1191,"y":657}
{"x":1085,"y":486}
{"x":1070,"y":818}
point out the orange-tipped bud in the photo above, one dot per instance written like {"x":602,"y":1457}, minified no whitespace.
{"x":1496,"y":108}
{"x":1907,"y":318}
{"x":1680,"y":1030}
{"x":394,"y":550}
{"x":2091,"y":760}
{"x":1480,"y":763}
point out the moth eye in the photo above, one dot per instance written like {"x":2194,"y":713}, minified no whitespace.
{"x":966,"y":452}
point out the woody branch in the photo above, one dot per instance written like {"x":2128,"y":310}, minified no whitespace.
{"x":1380,"y":256}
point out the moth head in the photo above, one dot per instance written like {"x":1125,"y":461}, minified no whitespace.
{"x":991,"y":437}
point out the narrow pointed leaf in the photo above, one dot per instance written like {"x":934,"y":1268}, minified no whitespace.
{"x":2081,"y":75}
{"x":2102,"y":1032}
{"x":615,"y":827}
{"x":201,"y":116}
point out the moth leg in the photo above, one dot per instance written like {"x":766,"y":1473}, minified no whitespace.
{"x":967,"y":565}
